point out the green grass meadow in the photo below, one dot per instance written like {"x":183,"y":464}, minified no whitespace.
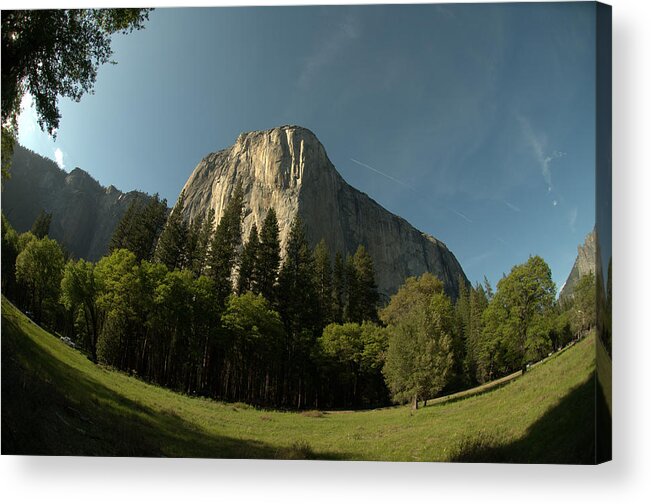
{"x":56,"y":402}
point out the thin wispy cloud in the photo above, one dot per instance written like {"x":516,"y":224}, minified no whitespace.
{"x":511,"y":206}
{"x":327,"y":52}
{"x":573,"y":215}
{"x":478,"y":259}
{"x":538,"y":143}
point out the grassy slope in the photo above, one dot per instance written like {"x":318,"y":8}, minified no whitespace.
{"x":55,"y":401}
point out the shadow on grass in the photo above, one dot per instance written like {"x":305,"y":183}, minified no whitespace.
{"x":604,"y":427}
{"x":50,"y":408}
{"x":563,"y":435}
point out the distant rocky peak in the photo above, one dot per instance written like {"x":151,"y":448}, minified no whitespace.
{"x":584,"y":264}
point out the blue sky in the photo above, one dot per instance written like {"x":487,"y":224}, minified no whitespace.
{"x":474,"y":122}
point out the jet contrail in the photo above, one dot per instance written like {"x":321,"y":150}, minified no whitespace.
{"x":460,"y":215}
{"x":384,"y":174}
{"x":404,"y":184}
{"x":511,"y":206}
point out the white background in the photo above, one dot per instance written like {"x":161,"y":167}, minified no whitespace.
{"x":627,"y":479}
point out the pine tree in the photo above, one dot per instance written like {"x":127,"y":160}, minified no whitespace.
{"x":247,"y":278}
{"x":299,"y":313}
{"x":296,"y":291}
{"x":150,"y":226}
{"x":323,"y":283}
{"x":140,"y":227}
{"x":460,"y":334}
{"x":120,"y":239}
{"x":172,"y":244}
{"x":477,"y":304}
{"x":202,"y":234}
{"x":351,"y":295}
{"x":338,"y":289}
{"x":224,"y":246}
{"x":362,"y":296}
{"x":269,"y":257}
{"x":41,"y":226}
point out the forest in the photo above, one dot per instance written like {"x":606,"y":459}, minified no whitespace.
{"x":195,"y":307}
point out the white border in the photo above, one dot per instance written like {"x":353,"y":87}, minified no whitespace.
{"x":627,"y":479}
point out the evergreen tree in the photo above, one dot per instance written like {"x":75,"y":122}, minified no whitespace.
{"x":338,"y":289}
{"x":462,"y":323}
{"x":478,"y":301}
{"x":121,"y":237}
{"x":41,"y":225}
{"x":269,"y":257}
{"x":140,"y":227}
{"x":323,"y":283}
{"x":172,"y":244}
{"x":200,"y":257}
{"x":247,"y":278}
{"x":351,"y":296}
{"x":224,"y":247}
{"x":193,"y":249}
{"x":296,"y":290}
{"x":362,"y":295}
{"x":150,"y":226}
{"x":297,"y":306}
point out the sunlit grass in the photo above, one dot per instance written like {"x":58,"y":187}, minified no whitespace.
{"x":55,"y":401}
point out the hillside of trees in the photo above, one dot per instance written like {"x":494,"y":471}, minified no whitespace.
{"x":198,"y":308}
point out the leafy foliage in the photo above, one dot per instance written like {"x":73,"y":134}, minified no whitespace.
{"x":39,"y":268}
{"x":358,"y":350}
{"x":420,"y":321}
{"x":515,"y":330}
{"x":10,"y":249}
{"x":51,"y":54}
{"x":79,"y":295}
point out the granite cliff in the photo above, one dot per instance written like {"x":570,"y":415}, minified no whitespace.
{"x":287,"y":169}
{"x":584,"y":264}
{"x":84,"y":213}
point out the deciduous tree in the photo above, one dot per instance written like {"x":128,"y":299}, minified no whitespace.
{"x":38,"y":269}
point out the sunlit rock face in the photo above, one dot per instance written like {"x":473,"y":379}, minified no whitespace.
{"x":287,"y":169}
{"x":584,"y":264}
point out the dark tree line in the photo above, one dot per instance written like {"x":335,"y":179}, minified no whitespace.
{"x":190,"y":306}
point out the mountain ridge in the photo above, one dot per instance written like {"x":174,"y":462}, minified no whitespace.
{"x":84,"y":213}
{"x":287,"y":168}
{"x":584,"y":264}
